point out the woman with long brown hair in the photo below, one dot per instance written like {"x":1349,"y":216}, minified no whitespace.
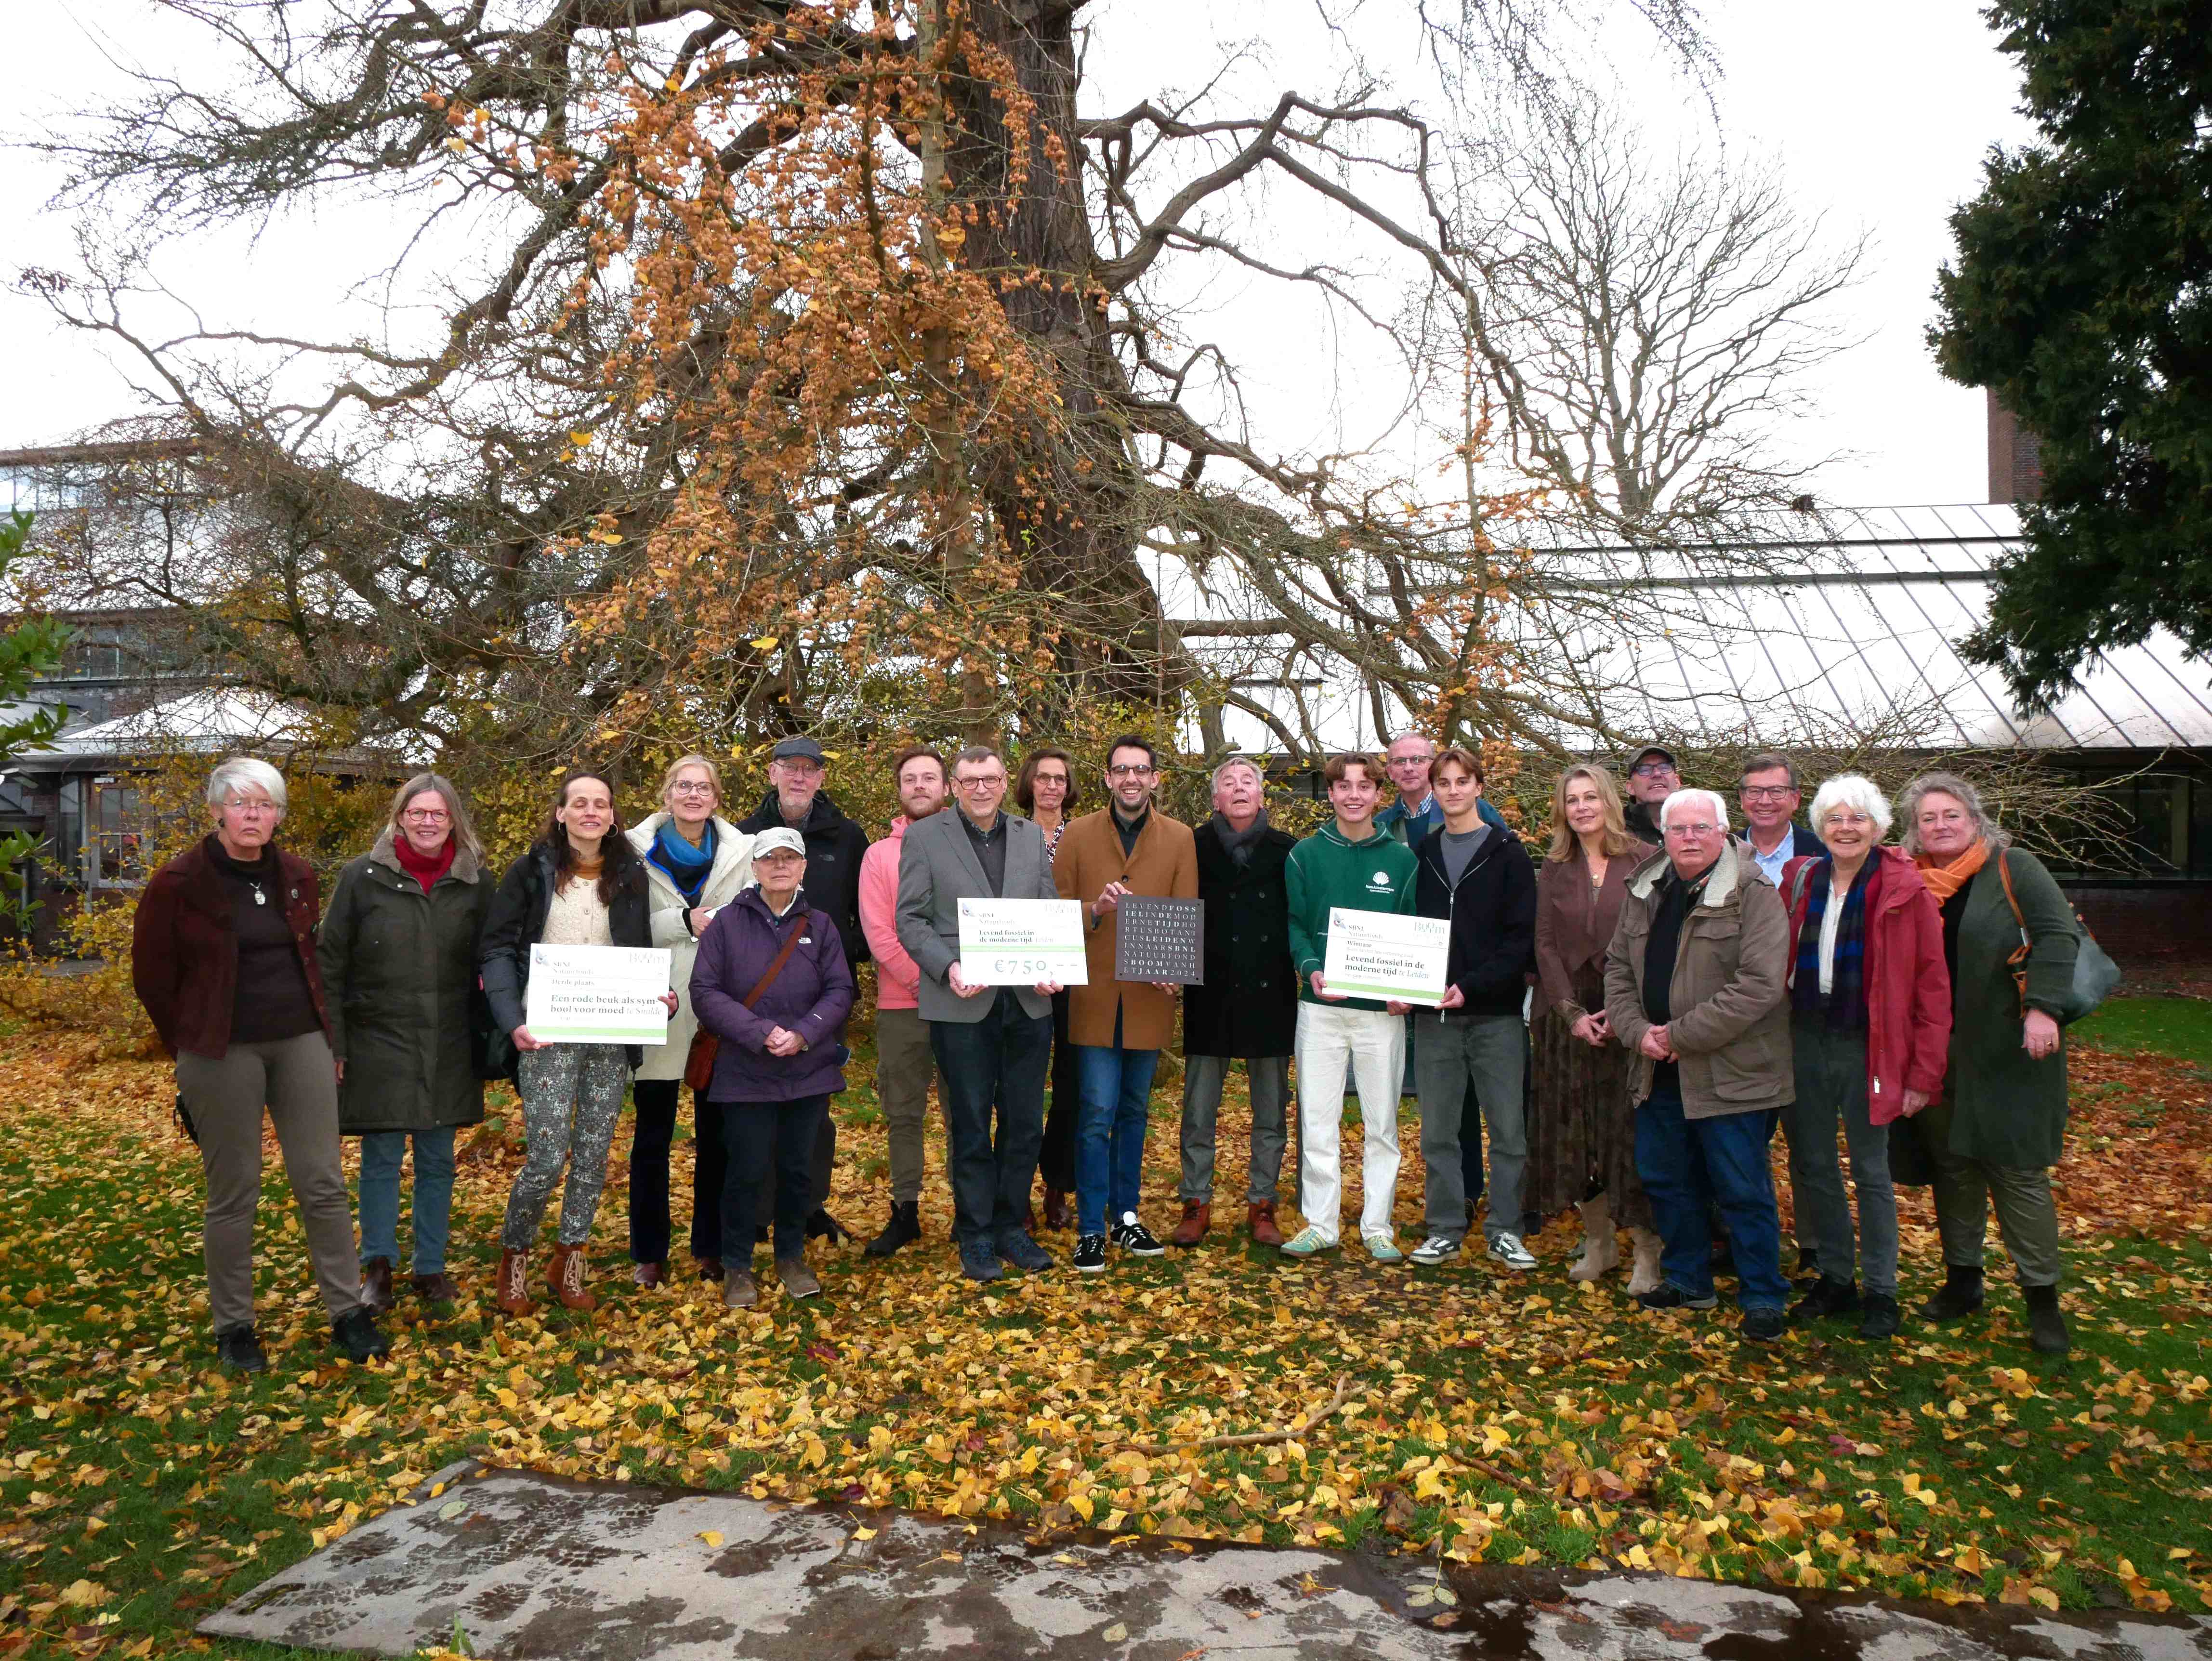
{"x":580,"y":884}
{"x":1581,"y":1132}
{"x":1047,"y":792}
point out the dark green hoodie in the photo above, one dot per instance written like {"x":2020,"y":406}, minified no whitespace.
{"x":1325,"y":870}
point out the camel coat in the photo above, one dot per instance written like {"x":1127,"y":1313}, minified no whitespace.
{"x":1162,"y":865}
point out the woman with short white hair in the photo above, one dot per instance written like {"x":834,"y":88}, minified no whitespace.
{"x":1870,"y":1029}
{"x":222,"y":956}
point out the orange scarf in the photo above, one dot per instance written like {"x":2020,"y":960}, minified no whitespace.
{"x":1945,"y":880}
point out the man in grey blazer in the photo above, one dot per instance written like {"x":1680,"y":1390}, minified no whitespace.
{"x":994,"y":1044}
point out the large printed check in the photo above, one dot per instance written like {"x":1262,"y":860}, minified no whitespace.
{"x":1380,"y":954}
{"x":598,"y":994}
{"x":1021,"y":942}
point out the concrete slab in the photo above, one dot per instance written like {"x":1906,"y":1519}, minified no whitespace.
{"x":526,"y":1565}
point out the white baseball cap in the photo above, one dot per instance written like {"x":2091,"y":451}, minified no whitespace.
{"x":783,"y":837}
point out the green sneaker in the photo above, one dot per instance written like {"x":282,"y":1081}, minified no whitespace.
{"x":1307,"y":1241}
{"x":1381,"y":1248}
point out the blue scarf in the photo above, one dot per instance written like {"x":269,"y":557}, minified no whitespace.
{"x":687,"y":867}
{"x":1845,"y":1003}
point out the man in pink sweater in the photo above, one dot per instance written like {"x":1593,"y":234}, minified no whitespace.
{"x":904,"y":1063}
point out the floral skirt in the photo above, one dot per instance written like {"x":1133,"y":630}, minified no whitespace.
{"x":1581,"y":1130}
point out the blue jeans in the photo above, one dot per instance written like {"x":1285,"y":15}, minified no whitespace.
{"x":993,"y":1068}
{"x":380,"y":1154}
{"x":1116,"y":1085}
{"x":1689,"y":1167}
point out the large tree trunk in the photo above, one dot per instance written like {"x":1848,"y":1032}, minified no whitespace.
{"x":1069,"y":503}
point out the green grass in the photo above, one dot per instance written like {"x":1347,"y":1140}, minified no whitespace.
{"x":2178,"y":1028}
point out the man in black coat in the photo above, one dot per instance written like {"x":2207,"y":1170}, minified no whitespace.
{"x":835,"y":844}
{"x":1649,"y":776}
{"x":1473,"y":1045}
{"x":1249,"y":1004}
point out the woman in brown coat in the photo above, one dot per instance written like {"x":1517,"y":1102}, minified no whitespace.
{"x":1582,"y":1134}
{"x":222,"y":956}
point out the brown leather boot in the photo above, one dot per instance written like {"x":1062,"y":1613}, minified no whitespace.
{"x":513,"y":1286}
{"x":1056,"y":1214}
{"x":564,"y":1279}
{"x":649,"y":1275}
{"x":1261,"y":1220}
{"x":376,"y":1283}
{"x":1197,"y":1217}
{"x":436,"y":1287}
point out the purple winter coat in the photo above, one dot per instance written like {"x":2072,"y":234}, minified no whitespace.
{"x":811,"y":997}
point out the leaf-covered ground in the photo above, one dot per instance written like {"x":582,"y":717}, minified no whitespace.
{"x":1491,"y":1416}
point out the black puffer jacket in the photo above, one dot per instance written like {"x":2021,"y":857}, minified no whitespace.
{"x":399,"y":970}
{"x":517,"y":919}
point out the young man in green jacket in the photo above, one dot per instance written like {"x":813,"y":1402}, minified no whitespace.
{"x":1351,"y":866}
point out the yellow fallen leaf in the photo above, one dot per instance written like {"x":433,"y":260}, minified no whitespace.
{"x":712,"y":1536}
{"x":863,"y":1533}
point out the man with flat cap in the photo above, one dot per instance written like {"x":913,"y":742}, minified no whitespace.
{"x":835,"y":844}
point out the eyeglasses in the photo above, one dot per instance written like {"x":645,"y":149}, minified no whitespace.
{"x":1844,"y":816}
{"x":980,"y":780}
{"x":1138,"y":770}
{"x":1651,"y":770}
{"x":1692,"y":829}
{"x":249,"y":805}
{"x":427,"y":816}
{"x":691,"y":789}
{"x":1410,"y":761}
{"x":1766,"y":792}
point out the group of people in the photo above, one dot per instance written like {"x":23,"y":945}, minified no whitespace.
{"x":1631,"y":1014}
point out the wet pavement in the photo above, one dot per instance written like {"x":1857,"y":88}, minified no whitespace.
{"x":523,"y":1565}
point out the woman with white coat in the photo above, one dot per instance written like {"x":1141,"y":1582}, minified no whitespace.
{"x":696,"y":862}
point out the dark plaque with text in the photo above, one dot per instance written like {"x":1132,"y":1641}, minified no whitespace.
{"x":1160,"y":941}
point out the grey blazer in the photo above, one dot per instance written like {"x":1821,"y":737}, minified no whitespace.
{"x":937,"y":868}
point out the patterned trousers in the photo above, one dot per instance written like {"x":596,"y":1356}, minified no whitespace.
{"x":572,"y":1094}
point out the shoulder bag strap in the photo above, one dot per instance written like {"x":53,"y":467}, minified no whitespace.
{"x":2017,"y":961}
{"x":782,"y":958}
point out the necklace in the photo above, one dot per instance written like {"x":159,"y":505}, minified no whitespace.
{"x":259,"y":898}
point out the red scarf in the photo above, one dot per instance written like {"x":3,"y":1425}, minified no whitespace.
{"x":426,"y":871}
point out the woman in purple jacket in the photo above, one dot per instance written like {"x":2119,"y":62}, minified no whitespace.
{"x":771,"y":983}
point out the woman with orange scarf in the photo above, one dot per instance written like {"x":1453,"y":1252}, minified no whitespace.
{"x":2000,"y":1124}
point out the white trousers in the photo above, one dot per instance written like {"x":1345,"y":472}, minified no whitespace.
{"x":1371,"y":1046}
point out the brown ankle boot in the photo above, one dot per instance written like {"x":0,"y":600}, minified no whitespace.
{"x":1261,"y":1220}
{"x":564,"y":1279}
{"x":1056,"y":1215}
{"x":1197,"y":1217}
{"x":513,"y":1294}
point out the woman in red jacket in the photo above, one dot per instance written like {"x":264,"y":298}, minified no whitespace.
{"x":1870,"y":1024}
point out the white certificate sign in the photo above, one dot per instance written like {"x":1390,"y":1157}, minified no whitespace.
{"x":1021,"y":942}
{"x":598,"y":994}
{"x":1380,"y":954}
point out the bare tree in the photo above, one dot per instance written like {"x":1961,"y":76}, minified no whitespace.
{"x":533,"y":484}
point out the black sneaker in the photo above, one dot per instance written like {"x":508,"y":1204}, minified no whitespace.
{"x":1878,"y":1317}
{"x":1960,"y":1294}
{"x":1764,"y":1326}
{"x":239,"y":1349}
{"x":1827,"y":1297}
{"x":1023,"y":1253}
{"x":355,"y":1335}
{"x":978,"y":1261}
{"x":1670,"y":1296}
{"x":1091,"y":1254}
{"x":1133,"y":1238}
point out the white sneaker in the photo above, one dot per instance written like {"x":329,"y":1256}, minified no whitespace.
{"x":1436,"y":1249}
{"x":1509,"y":1251}
{"x":1381,"y":1248}
{"x":1307,"y":1241}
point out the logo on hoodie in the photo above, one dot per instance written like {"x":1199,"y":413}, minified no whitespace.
{"x":1379,"y":882}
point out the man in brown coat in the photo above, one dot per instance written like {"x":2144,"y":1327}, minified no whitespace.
{"x":1695,"y":988}
{"x":1117,"y":1027}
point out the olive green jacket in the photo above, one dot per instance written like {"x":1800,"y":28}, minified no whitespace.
{"x":2006,"y":1108}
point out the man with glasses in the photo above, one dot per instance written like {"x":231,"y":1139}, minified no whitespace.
{"x":1652,"y":777}
{"x":993,"y":1044}
{"x":1695,"y":988}
{"x":1769,"y":795}
{"x":1411,"y":762}
{"x":836,"y":845}
{"x":1119,"y":1027}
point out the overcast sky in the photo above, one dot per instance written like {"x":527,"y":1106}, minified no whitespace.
{"x":1881,"y":115}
